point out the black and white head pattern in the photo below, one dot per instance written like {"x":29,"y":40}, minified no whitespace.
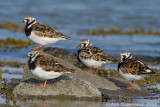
{"x":85,"y":43}
{"x":29,"y":20}
{"x":125,"y":55}
{"x":32,"y":55}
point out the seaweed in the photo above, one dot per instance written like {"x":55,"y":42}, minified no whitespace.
{"x":14,"y":44}
{"x":115,"y":30}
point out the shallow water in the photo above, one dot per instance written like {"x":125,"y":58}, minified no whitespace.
{"x":71,"y":16}
{"x":57,"y":103}
{"x":112,"y":44}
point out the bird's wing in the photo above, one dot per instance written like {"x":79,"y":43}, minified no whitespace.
{"x":134,"y":67}
{"x":94,"y":53}
{"x":49,"y":64}
{"x":47,"y":31}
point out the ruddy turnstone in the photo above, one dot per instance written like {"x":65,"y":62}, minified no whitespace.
{"x":91,"y":56}
{"x":45,"y":68}
{"x":41,"y":34}
{"x":132,"y":69}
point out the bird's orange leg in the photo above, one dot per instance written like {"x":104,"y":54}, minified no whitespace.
{"x":90,"y":69}
{"x":42,"y":48}
{"x":131,"y":86}
{"x":95,"y":71}
{"x":38,"y":47}
{"x":43,"y":85}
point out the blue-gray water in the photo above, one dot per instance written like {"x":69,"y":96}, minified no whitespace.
{"x":73,"y":15}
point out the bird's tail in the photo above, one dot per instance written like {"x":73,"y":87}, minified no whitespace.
{"x":69,"y":71}
{"x":149,"y":71}
{"x":114,"y":60}
{"x":66,"y":37}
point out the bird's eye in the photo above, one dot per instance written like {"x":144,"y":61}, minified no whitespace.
{"x":26,"y":20}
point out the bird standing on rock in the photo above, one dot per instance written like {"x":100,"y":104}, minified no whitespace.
{"x":91,"y":56}
{"x":41,"y":34}
{"x":44,"y":67}
{"x":132,"y":69}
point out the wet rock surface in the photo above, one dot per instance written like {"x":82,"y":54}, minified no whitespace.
{"x":77,"y":85}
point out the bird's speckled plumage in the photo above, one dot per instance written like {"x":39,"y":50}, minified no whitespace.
{"x":132,"y":69}
{"x":91,"y":52}
{"x":47,"y":31}
{"x":92,"y":56}
{"x":87,"y":51}
{"x":133,"y":66}
{"x":44,"y":67}
{"x":129,"y":65}
{"x":41,"y":34}
{"x":46,"y":63}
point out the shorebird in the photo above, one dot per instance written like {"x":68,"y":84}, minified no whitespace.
{"x":44,"y":67}
{"x":91,"y":56}
{"x":41,"y":34}
{"x":132,"y":69}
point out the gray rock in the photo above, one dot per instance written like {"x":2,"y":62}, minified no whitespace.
{"x":60,"y":89}
{"x":66,"y":56}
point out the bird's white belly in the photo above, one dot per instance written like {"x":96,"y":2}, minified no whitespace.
{"x":131,"y":77}
{"x":44,"y":75}
{"x":91,"y":62}
{"x":43,"y":40}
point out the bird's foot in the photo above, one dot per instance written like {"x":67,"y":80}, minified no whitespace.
{"x":129,"y":87}
{"x":42,"y":85}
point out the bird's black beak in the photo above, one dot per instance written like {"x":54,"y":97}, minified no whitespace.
{"x":78,"y":46}
{"x":118,"y":59}
{"x":22,"y":21}
{"x":25,"y":56}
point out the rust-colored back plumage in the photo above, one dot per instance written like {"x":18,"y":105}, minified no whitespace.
{"x":49,"y":64}
{"x":133,"y":66}
{"x":91,"y":52}
{"x":47,"y":31}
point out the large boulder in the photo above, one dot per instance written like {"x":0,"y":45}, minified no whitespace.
{"x":60,"y":88}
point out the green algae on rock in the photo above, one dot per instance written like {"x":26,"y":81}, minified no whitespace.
{"x":7,"y":87}
{"x":12,"y":26}
{"x":14,"y":44}
{"x":115,"y":30}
